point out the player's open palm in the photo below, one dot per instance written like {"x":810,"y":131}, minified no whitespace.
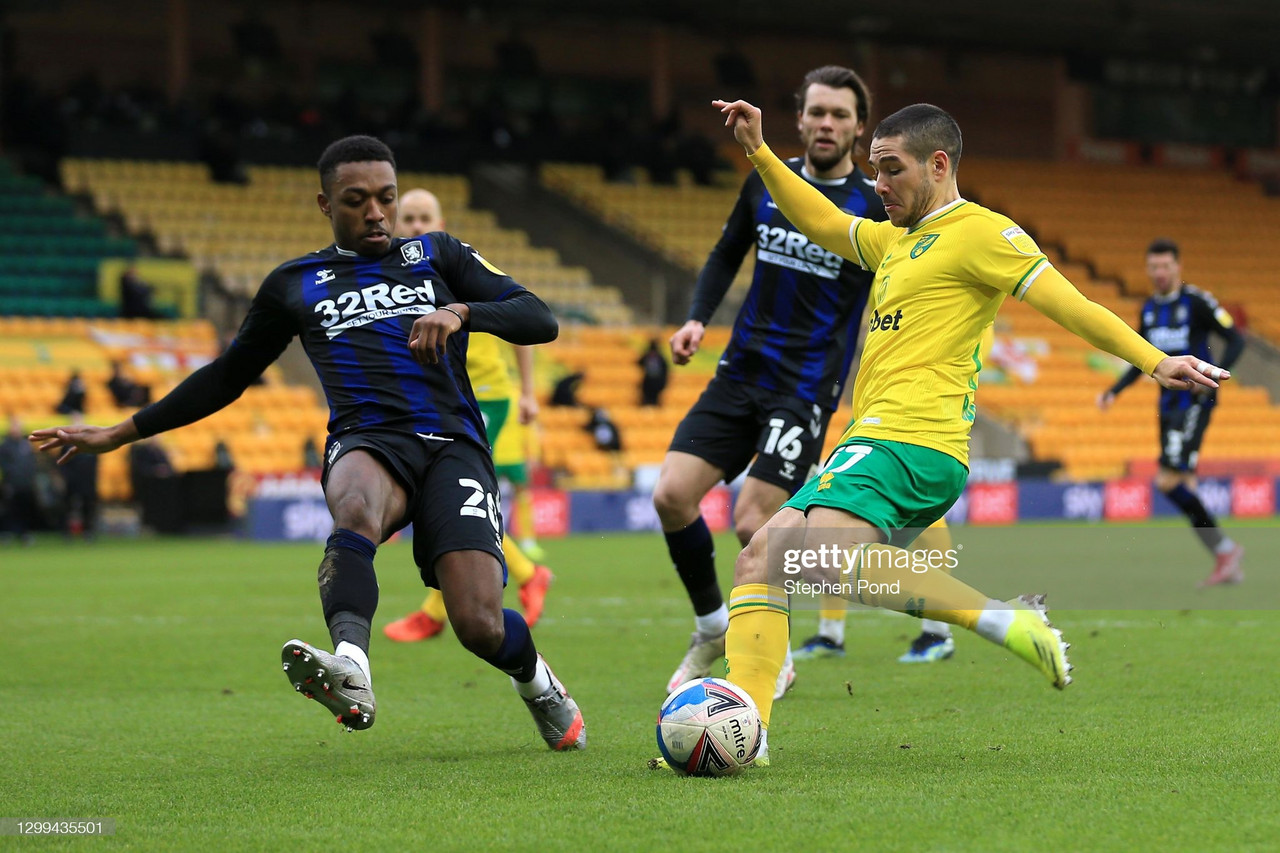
{"x":686,"y":341}
{"x":746,"y":121}
{"x":1188,"y":373}
{"x":77,"y":437}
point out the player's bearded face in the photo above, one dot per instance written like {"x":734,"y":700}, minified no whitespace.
{"x":901,"y":182}
{"x":360,"y":202}
{"x":828,"y":125}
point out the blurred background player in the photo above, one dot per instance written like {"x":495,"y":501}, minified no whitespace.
{"x":420,"y":213}
{"x":1178,"y":319}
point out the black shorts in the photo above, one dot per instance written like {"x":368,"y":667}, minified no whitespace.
{"x":454,"y":503}
{"x":1181,"y":431}
{"x":732,"y":422}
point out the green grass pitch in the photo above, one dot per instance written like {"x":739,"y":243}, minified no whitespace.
{"x":142,"y":682}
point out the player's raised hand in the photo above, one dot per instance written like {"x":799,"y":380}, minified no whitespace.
{"x":746,"y":121}
{"x":686,"y":340}
{"x":1188,"y":373}
{"x":75,"y":438}
{"x":430,"y":332}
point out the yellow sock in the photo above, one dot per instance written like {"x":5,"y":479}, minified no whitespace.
{"x":884,"y":578}
{"x":524,"y":513}
{"x":935,"y":537}
{"x":434,"y":606}
{"x":833,"y":607}
{"x":756,"y":644}
{"x":519,"y":567}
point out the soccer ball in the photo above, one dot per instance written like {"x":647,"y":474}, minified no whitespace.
{"x":708,"y":727}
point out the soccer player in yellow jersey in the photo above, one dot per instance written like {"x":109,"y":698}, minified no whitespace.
{"x":942,"y":267}
{"x":420,"y":214}
{"x":934,"y":642}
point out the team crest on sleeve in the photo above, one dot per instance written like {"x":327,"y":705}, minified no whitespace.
{"x":1223,"y":318}
{"x":412,"y":252}
{"x":1020,"y":240}
{"x":922,"y":245}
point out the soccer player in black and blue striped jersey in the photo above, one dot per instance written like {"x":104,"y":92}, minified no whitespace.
{"x":782,"y":374}
{"x":385,"y":323}
{"x":1178,"y":318}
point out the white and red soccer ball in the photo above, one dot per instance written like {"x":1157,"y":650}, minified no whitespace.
{"x":708,"y":727}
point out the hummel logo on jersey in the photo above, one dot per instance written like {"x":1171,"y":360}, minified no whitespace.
{"x":884,"y":323}
{"x":324,"y":276}
{"x":412,"y":252}
{"x":354,"y":308}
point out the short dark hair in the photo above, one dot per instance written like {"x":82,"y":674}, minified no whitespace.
{"x":924,"y":129}
{"x":352,"y":149}
{"x":837,"y":77}
{"x":1163,"y":246}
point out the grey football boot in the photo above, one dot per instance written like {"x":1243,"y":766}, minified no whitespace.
{"x":557,"y":716}
{"x":338,"y":683}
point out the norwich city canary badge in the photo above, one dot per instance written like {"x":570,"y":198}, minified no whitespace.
{"x":922,"y":245}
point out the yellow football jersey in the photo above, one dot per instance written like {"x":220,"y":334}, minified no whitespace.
{"x":490,"y":379}
{"x":937,"y":288}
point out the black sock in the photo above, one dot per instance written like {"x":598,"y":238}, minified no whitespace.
{"x":348,"y":587}
{"x":1206,"y":527}
{"x":694,"y":554}
{"x":517,"y":656}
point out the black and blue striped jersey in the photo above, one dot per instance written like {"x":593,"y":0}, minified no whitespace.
{"x":797,"y":329}
{"x":1179,"y":324}
{"x":354,"y":315}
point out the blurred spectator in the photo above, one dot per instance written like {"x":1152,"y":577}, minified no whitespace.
{"x":222,"y":458}
{"x":220,"y":150}
{"x":653,"y":380}
{"x":80,"y":476}
{"x":147,"y":460}
{"x":135,"y":295}
{"x":73,"y":397}
{"x":604,"y":431}
{"x":17,"y":483}
{"x":311,"y":455}
{"x":565,"y":392}
{"x":126,"y":392}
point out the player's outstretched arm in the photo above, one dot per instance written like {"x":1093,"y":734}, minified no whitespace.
{"x":807,"y":208}
{"x":83,"y":438}
{"x":528,"y":397}
{"x":1055,"y":297}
